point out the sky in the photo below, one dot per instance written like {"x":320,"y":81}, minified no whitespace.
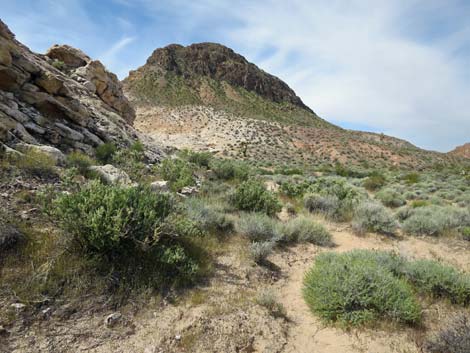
{"x":399,"y":67}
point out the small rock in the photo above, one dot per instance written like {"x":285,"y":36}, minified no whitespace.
{"x":112,"y":175}
{"x":3,"y":331}
{"x":46,"y":313}
{"x":18,"y":306}
{"x":9,"y":236}
{"x":112,"y":319}
{"x":160,"y":186}
{"x":189,"y":190}
{"x":178,"y":337}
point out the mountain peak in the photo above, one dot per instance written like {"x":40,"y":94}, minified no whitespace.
{"x":221,"y":63}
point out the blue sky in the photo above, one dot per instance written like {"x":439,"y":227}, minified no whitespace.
{"x":395,"y":66}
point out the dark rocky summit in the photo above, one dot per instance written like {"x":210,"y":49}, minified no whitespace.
{"x":222,"y":64}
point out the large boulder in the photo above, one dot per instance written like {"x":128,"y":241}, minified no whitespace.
{"x":73,"y":58}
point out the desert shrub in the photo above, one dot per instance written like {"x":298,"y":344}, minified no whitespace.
{"x":453,"y":339}
{"x":36,"y":163}
{"x":373,"y":217}
{"x":268,"y":299}
{"x":419,"y":203}
{"x":130,"y":231}
{"x":105,"y":152}
{"x":200,"y":158}
{"x":355,"y":288}
{"x":347,"y":195}
{"x":374,"y":182}
{"x":285,"y":170}
{"x":438,"y":280}
{"x":207,"y":216}
{"x":465,"y":231}
{"x":252,"y":196}
{"x":435,"y":220}
{"x":390,"y":198}
{"x":316,"y":203}
{"x":178,"y":172}
{"x":110,"y":219}
{"x":59,"y":65}
{"x":404,"y":213}
{"x":81,"y":162}
{"x":226,"y":169}
{"x":303,"y":229}
{"x":131,"y":160}
{"x":411,"y":178}
{"x":259,"y":251}
{"x":258,"y":227}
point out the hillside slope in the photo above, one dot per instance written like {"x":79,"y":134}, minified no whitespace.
{"x":461,"y":151}
{"x":207,"y":97}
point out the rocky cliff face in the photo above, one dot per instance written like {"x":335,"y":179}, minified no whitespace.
{"x":223,"y":64}
{"x":63,"y":98}
{"x":461,"y":151}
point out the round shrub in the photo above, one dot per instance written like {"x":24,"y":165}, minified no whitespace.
{"x":207,"y":216}
{"x":390,"y":198}
{"x":105,"y":152}
{"x":258,"y":227}
{"x":178,"y":172}
{"x":303,"y":229}
{"x":327,"y":205}
{"x":80,"y":161}
{"x":252,"y":196}
{"x":374,"y":182}
{"x":259,"y":251}
{"x":354,"y":288}
{"x":109,"y":219}
{"x":227,"y":169}
{"x":373,"y":217}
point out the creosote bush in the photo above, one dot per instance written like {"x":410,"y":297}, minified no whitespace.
{"x":130,"y":230}
{"x":252,"y":196}
{"x":105,"y":152}
{"x":227,"y":169}
{"x":81,"y":162}
{"x":355,"y":288}
{"x":178,"y":172}
{"x":372,"y":216}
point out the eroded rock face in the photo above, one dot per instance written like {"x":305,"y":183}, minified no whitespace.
{"x":222,"y":64}
{"x":62,"y":99}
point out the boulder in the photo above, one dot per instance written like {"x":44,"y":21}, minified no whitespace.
{"x":54,"y":153}
{"x":189,"y":190}
{"x":71,"y":57}
{"x":112,"y":175}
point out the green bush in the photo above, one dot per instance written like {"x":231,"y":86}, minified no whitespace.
{"x":130,"y":231}
{"x":355,"y":288}
{"x":81,"y":162}
{"x":411,"y":178}
{"x":438,"y":280}
{"x":293,"y":189}
{"x":36,"y":163}
{"x":227,"y":169}
{"x":252,"y":196}
{"x":373,"y":217}
{"x":390,"y":198}
{"x":104,"y":153}
{"x":348,"y":196}
{"x":258,"y":227}
{"x":178,"y":172}
{"x":374,"y":182}
{"x":201,"y":159}
{"x":465,"y":231}
{"x":109,"y":219}
{"x":304,"y":229}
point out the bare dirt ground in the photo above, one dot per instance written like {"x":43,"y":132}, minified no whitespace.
{"x":223,"y":316}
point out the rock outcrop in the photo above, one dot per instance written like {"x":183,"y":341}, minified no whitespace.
{"x":62,"y":99}
{"x":461,"y":151}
